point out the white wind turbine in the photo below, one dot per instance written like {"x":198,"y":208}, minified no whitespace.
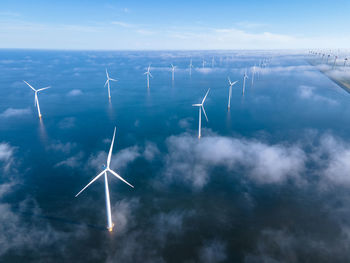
{"x":191,"y":66}
{"x":110,"y":224}
{"x":173,"y":71}
{"x":253,"y":73}
{"x":230,"y":92}
{"x":200,"y":107}
{"x":203,"y":63}
{"x":107,"y":82}
{"x":212,"y":62}
{"x":244,"y":79}
{"x":36,"y":100}
{"x":148,"y":73}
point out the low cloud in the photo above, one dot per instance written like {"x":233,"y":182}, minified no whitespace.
{"x":191,"y":160}
{"x":74,"y":161}
{"x":151,"y":151}
{"x":120,"y":160}
{"x":123,"y":214}
{"x":6,"y":156}
{"x":75,"y":92}
{"x":58,"y":146}
{"x":308,"y":92}
{"x":11,"y":112}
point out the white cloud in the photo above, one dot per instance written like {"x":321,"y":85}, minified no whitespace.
{"x":308,"y":92}
{"x":74,"y":161}
{"x":58,"y":146}
{"x":120,"y":160}
{"x":6,"y":155}
{"x":75,"y":92}
{"x":191,"y":160}
{"x":151,"y":151}
{"x":123,"y":214}
{"x":122,"y":24}
{"x":11,"y":112}
{"x":185,"y":123}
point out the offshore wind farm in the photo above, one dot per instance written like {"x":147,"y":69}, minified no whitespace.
{"x":161,"y":141}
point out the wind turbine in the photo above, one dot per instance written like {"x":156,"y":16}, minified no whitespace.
{"x":345,"y":60}
{"x":244,"y":78}
{"x":203,"y":63}
{"x":200,"y":107}
{"x":173,"y":71}
{"x":36,"y":100}
{"x":253,"y":73}
{"x":107,"y":82}
{"x":110,"y":224}
{"x":335,"y":61}
{"x":148,"y":73}
{"x":212,"y":62}
{"x":191,"y":66}
{"x":230,"y":92}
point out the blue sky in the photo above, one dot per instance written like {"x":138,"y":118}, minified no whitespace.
{"x":174,"y":25}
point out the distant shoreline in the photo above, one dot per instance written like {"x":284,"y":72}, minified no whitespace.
{"x":344,"y":84}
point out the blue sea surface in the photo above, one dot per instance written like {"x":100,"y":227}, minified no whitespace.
{"x":267,"y":182}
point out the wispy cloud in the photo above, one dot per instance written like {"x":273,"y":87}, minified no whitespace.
{"x":191,"y":160}
{"x":11,"y":112}
{"x":308,"y":92}
{"x":6,"y":155}
{"x":75,"y":92}
{"x":123,"y":24}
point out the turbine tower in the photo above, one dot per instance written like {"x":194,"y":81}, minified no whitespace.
{"x":110,"y":224}
{"x":253,"y":73}
{"x":107,"y":82}
{"x":335,"y":61}
{"x":148,"y":73}
{"x":244,"y":79}
{"x":230,"y":91}
{"x":172,"y":71}
{"x":200,"y":107}
{"x":203,"y":63}
{"x":36,"y":100}
{"x":191,"y":66}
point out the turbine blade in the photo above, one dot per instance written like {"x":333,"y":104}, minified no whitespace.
{"x":197,"y":105}
{"x":29,"y":85}
{"x":113,"y":79}
{"x":111,"y":149}
{"x":150,"y":74}
{"x":205,"y":113}
{"x":229,"y":80}
{"x":120,"y":178}
{"x":43,"y":88}
{"x":107,"y":74}
{"x":205,"y":96}
{"x":93,"y":180}
{"x":106,"y":82}
{"x":233,"y":83}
